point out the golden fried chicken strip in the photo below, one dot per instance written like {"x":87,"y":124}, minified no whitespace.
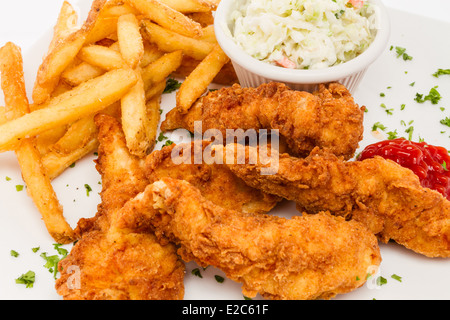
{"x":329,"y":118}
{"x":109,"y":263}
{"x":188,"y":161}
{"x":379,"y":193}
{"x":310,"y":257}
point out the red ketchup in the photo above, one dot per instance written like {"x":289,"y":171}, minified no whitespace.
{"x":430,"y":163}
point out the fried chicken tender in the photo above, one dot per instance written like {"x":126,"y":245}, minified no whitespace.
{"x":379,"y":193}
{"x":308,"y":257}
{"x":109,"y":263}
{"x":328,"y":118}
{"x":215,"y":181}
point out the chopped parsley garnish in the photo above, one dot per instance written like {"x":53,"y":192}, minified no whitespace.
{"x":434,"y":96}
{"x":7,"y":178}
{"x":52,"y":261}
{"x":196,"y":272}
{"x":381,"y":281}
{"x":172,"y":85}
{"x":19,"y":187}
{"x":36,"y":249}
{"x":377,"y":126}
{"x":14,"y":253}
{"x":168,"y":143}
{"x":392,"y":135}
{"x":396,"y":277}
{"x":444,"y":165}
{"x":161,"y":137}
{"x":446,"y":122}
{"x":401,"y":52}
{"x":88,"y":189}
{"x":441,"y":72}
{"x":219,"y":279}
{"x":410,"y":131}
{"x":27,"y":279}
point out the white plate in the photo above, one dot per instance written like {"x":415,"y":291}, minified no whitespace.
{"x":21,"y":227}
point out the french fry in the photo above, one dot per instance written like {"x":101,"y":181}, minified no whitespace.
{"x":65,"y":25}
{"x":199,"y":80}
{"x":203,"y":18}
{"x":167,"y":17}
{"x":154,"y":116}
{"x":170,"y":41}
{"x":77,"y":136}
{"x":155,"y":90}
{"x":39,"y":186}
{"x":102,"y":57}
{"x":151,"y":54}
{"x":80,"y":73}
{"x":105,"y":26}
{"x":61,"y":56}
{"x":209,"y":34}
{"x":86,"y":99}
{"x":188,"y":6}
{"x":158,"y":70}
{"x":119,"y":10}
{"x":135,"y":119}
{"x":55,"y":163}
{"x":227,"y":75}
{"x":130,"y":40}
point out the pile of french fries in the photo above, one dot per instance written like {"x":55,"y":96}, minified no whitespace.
{"x":117,"y":62}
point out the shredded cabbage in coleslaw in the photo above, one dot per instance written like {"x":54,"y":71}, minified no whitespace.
{"x":304,"y":34}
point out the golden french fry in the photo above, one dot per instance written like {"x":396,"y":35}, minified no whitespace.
{"x":154,"y":116}
{"x":39,"y":186}
{"x":86,"y":99}
{"x":65,"y":25}
{"x":209,"y":34}
{"x":227,"y":75}
{"x":151,"y":54}
{"x":104,"y":27}
{"x":199,"y":80}
{"x":203,"y":18}
{"x":61,"y":56}
{"x":102,"y":57}
{"x":130,"y":41}
{"x":77,"y":136}
{"x":134,"y":119}
{"x":45,"y":140}
{"x":119,"y":10}
{"x":155,"y":90}
{"x":80,"y":73}
{"x":55,"y":163}
{"x":158,"y":70}
{"x":170,"y":41}
{"x":167,"y":17}
{"x":188,"y":6}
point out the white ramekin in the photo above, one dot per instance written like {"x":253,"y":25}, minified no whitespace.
{"x":252,"y":72}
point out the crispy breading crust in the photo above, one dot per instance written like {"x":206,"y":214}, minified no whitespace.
{"x":328,"y":118}
{"x":215,"y":181}
{"x":111,"y":263}
{"x":310,"y":257}
{"x":379,"y":193}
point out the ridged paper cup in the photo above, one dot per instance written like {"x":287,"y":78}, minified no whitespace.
{"x":252,"y":73}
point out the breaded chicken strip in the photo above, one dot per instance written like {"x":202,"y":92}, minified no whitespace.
{"x":215,"y":181}
{"x":109,"y":263}
{"x":379,"y":193}
{"x":311,"y":257}
{"x":329,"y":118}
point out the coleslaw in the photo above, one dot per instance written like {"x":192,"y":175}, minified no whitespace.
{"x":304,"y":34}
